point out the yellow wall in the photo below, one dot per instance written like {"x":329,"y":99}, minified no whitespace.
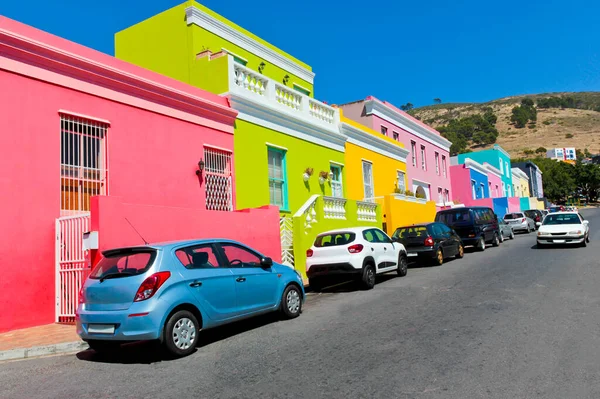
{"x":400,"y":212}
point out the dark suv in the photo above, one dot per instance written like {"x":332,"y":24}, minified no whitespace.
{"x":535,"y":215}
{"x":475,"y":225}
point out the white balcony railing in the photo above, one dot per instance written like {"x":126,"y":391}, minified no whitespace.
{"x":366,"y":211}
{"x":246,"y":82}
{"x":334,"y":208}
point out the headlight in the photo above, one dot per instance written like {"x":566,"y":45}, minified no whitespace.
{"x":575,"y":232}
{"x":542,"y":233}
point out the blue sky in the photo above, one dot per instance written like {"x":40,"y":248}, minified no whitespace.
{"x":459,"y":51}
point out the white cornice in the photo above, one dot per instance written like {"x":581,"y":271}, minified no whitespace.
{"x":519,"y":173}
{"x":492,"y":170}
{"x":198,"y":17}
{"x":262,"y":114}
{"x":376,"y":144}
{"x":378,"y":108}
{"x":502,"y":150}
{"x":470,"y":164}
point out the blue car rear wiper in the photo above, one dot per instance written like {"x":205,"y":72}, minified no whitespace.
{"x":115,"y":275}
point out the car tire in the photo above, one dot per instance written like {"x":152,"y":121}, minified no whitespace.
{"x":587,"y":238}
{"x":439,"y":257}
{"x":481,"y":244}
{"x":460,"y":252}
{"x":100,"y":346}
{"x":291,"y":302}
{"x":315,"y":284}
{"x":501,"y":237}
{"x":181,"y":333}
{"x":496,"y":240}
{"x":512,"y":235}
{"x":402,"y":265}
{"x":368,"y":277}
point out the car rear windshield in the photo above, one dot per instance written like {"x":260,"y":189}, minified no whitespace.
{"x":333,"y":239}
{"x":124,"y":263}
{"x":562,"y":219}
{"x":513,"y":216}
{"x":453,"y":217}
{"x":410,"y":232}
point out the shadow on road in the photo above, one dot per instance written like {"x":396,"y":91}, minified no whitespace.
{"x":557,"y":246}
{"x":153,"y":352}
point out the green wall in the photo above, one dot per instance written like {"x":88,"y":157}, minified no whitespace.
{"x":165,"y":44}
{"x":252,"y":173}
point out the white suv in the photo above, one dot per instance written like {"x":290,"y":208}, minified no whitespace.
{"x":362,"y":252}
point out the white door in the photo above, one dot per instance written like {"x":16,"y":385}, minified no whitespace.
{"x":388,"y":256}
{"x":368,"y":181}
{"x":375,"y":249}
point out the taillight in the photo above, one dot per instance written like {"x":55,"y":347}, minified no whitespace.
{"x":150,"y":286}
{"x":429,"y":242}
{"x":356,"y":248}
{"x":309,"y":253}
{"x":523,"y":220}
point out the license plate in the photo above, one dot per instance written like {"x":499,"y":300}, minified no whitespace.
{"x":412,"y":254}
{"x":101,"y":328}
{"x":559,"y":241}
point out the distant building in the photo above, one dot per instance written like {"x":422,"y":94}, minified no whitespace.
{"x":536,"y":188}
{"x":562,"y":154}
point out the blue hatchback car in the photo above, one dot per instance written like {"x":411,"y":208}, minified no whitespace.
{"x":170,"y":291}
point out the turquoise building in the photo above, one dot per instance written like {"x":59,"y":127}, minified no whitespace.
{"x":498,"y":158}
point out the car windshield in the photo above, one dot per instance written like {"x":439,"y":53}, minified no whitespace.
{"x":123,"y":263}
{"x":453,"y":217}
{"x":509,"y":216}
{"x":410,"y":232}
{"x":333,"y":239}
{"x":569,"y":218}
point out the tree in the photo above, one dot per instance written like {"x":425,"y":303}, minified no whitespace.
{"x":521,"y":114}
{"x":587,"y":153}
{"x":475,"y":128}
{"x":587,"y":180}
{"x":540,"y":150}
{"x":579,"y":154}
{"x":558,"y":178}
{"x":437,"y":100}
{"x":407,"y":107}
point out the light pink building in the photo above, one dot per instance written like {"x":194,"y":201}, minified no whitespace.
{"x":494,"y":181}
{"x":89,"y":143}
{"x":428,"y":165}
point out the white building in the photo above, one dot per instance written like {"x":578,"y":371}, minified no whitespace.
{"x":561,"y":154}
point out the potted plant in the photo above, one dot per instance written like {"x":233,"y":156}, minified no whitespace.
{"x":323,"y":176}
{"x":307,"y":174}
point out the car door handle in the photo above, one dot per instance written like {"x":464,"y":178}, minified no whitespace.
{"x":385,"y":248}
{"x":240,"y":279}
{"x":196,"y":284}
{"x":372,"y":249}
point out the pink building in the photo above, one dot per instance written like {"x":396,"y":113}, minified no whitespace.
{"x":494,"y":181}
{"x":89,"y":143}
{"x":428,"y":165}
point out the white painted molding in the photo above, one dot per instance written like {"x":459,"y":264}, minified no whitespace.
{"x":493,"y":170}
{"x":469,"y":163}
{"x":519,"y":173}
{"x":91,"y":118}
{"x":200,"y":18}
{"x":378,"y":108}
{"x":421,"y":183}
{"x":502,"y":150}
{"x":371,"y":142}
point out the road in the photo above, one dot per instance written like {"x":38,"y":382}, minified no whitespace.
{"x":511,"y":322}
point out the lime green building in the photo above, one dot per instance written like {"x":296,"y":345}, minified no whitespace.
{"x":288,"y":148}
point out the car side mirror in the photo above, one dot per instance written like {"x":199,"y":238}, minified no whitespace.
{"x":266,"y":262}
{"x":586,"y":222}
{"x":538,"y":224}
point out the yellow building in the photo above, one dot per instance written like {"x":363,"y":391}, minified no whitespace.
{"x":377,"y":165}
{"x":520,"y":183}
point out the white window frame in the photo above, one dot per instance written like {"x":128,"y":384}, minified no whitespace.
{"x":368,"y":186}
{"x":423,"y":159}
{"x":440,"y":195}
{"x":396,"y":136}
{"x":437,"y":163}
{"x":446,"y":195}
{"x":482,"y":189}
{"x":401,"y":180}
{"x":444,"y":166}
{"x":337,"y":187}
{"x":384,"y":130}
{"x":413,"y":147}
{"x":501,"y":166}
{"x":473,"y":189}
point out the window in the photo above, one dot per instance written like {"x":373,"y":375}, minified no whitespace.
{"x":396,"y":136}
{"x":437,"y":163}
{"x":277,"y":178}
{"x":218,"y":180}
{"x":329,"y":240}
{"x":384,"y":130}
{"x":473,"y":190}
{"x":238,"y":256}
{"x":413,"y":147}
{"x":124,"y":263}
{"x":507,"y":169}
{"x":509,"y":192}
{"x":446,"y":195}
{"x":496,"y":191}
{"x":369,"y":192}
{"x":369,"y":235}
{"x":482,"y":190}
{"x":444,"y":165}
{"x":400,"y":184}
{"x":503,"y":190}
{"x":83,"y":165}
{"x":423,"y":163}
{"x":336,"y":181}
{"x":198,"y":257}
{"x":501,"y":167}
{"x":440,"y":195}
{"x":302,"y":90}
{"x":240,"y":60}
{"x":381,"y":237}
{"x":490,"y":189}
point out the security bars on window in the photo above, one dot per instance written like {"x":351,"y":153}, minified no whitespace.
{"x":217,"y":171}
{"x":83,"y":163}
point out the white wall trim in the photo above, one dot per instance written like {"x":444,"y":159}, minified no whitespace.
{"x":420,"y":182}
{"x":493,"y":170}
{"x":376,"y":107}
{"x":83,"y":116}
{"x":371,"y":142}
{"x":272,"y":118}
{"x":234,"y":54}
{"x":276,"y":146}
{"x":502,"y":150}
{"x":214,"y":147}
{"x":301,"y":87}
{"x":470,"y":164}
{"x":199,"y":17}
{"x":336,"y":163}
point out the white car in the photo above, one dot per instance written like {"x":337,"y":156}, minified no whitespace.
{"x":519,"y":222}
{"x":563,"y":228}
{"x":360,"y":252}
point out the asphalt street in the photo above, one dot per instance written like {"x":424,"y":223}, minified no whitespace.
{"x":510,"y":322}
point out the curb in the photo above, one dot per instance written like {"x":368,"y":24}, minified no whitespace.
{"x":37,"y":351}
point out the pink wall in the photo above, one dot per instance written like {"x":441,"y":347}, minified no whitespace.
{"x":160,"y":223}
{"x":461,"y":184}
{"x":495,"y":181}
{"x":514,"y":204}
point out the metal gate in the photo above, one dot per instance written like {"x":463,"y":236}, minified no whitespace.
{"x":71,"y":267}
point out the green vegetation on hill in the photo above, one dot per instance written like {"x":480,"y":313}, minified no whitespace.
{"x":478,"y":129}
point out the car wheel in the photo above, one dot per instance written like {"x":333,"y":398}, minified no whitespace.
{"x":501,"y":237}
{"x":460,"y":252}
{"x":496,"y":241}
{"x":103,"y":346}
{"x":481,"y":244}
{"x":439,"y":257}
{"x":315,"y":284}
{"x":368,"y":277}
{"x":181,"y":333}
{"x":587,"y":238}
{"x":291,"y":302}
{"x":402,"y":266}
{"x":512,"y":235}
{"x":584,"y":243}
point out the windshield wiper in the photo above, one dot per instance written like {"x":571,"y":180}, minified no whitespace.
{"x":115,"y":275}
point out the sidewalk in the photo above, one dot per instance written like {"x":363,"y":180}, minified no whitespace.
{"x":44,"y":340}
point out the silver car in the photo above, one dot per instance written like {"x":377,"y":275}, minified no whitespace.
{"x":518,"y":221}
{"x":506,"y":230}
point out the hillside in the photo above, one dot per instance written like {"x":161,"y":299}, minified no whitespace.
{"x":555,"y":127}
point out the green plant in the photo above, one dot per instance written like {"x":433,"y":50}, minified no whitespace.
{"x":547,"y":122}
{"x":528,"y":152}
{"x":399,"y":190}
{"x":540,"y":150}
{"x":409,"y":193}
{"x":420,"y":195}
{"x":568,"y":136}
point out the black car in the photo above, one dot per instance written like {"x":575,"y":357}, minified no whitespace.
{"x":535,"y":214}
{"x":430,"y":242}
{"x":475,"y":226}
